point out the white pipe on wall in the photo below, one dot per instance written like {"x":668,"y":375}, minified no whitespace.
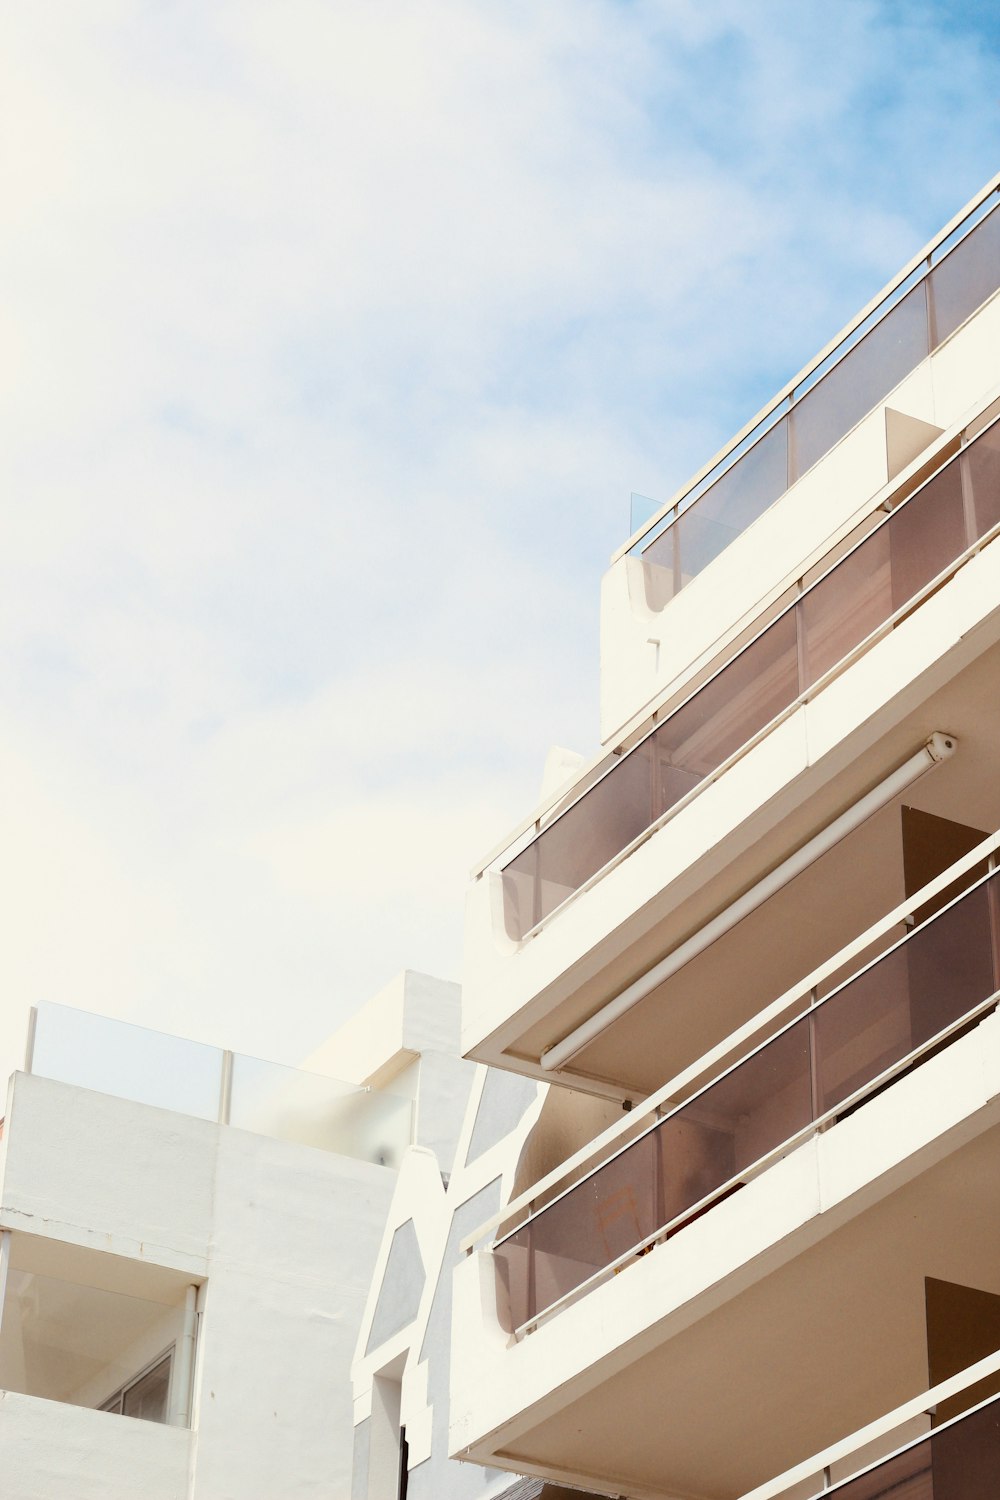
{"x":938,"y":748}
{"x":182,"y":1383}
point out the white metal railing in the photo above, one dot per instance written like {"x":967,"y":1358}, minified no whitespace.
{"x":839,"y":347}
{"x":720,"y":1058}
{"x":919,"y":1406}
{"x":529,"y":833}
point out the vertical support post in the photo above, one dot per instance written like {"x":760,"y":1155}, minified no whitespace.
{"x":801,"y":663}
{"x":225,"y":1088}
{"x":529,"y":1296}
{"x":968,"y":500}
{"x":931,"y":310}
{"x":536,"y":877}
{"x":815,"y":1102}
{"x":993,"y":906}
{"x":182,"y":1376}
{"x":791,"y":456}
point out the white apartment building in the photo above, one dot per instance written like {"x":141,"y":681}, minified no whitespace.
{"x":187,"y":1241}
{"x":752,"y":1247}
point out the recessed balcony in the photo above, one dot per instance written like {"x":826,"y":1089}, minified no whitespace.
{"x":916,"y":997}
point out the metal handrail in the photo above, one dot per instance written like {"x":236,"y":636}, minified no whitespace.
{"x":803,"y":382}
{"x":748,"y":1173}
{"x":918,"y":1406}
{"x":807,"y":694}
{"x":796,"y":994}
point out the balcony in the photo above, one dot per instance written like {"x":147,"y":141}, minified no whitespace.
{"x":902,"y":557}
{"x":817,"y":1171}
{"x":902,"y":1007}
{"x":943,"y":287}
{"x":895,"y":633}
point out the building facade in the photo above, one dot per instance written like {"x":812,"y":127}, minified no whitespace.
{"x":760,"y":934}
{"x":692,"y":1192}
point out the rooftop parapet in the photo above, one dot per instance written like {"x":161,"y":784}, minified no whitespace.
{"x":209,"y":1083}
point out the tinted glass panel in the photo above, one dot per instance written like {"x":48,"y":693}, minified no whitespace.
{"x":763,"y":1101}
{"x":902,"y":1001}
{"x":581,"y":841}
{"x":982,"y":463}
{"x":846,"y":606}
{"x":753,"y":483}
{"x":148,"y":1397}
{"x":927,"y":533}
{"x":961,"y":1462}
{"x":734,"y":705}
{"x":967,"y":276}
{"x":859,"y":382}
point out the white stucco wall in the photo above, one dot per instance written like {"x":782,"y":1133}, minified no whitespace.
{"x":285,"y":1237}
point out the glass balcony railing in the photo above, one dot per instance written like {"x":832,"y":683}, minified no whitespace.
{"x":925,"y":536}
{"x":917,"y":995}
{"x":960,"y":1460}
{"x":169,"y":1072}
{"x":959,"y":274}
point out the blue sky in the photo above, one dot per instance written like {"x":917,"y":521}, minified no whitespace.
{"x":337,"y":336}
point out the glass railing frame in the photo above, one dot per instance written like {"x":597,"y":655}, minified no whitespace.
{"x":987,"y":851}
{"x":811,"y":376}
{"x":755,"y":1169}
{"x":914,"y":1442}
{"x":761,"y":1164}
{"x":805,"y":696}
{"x":923,"y":1404}
{"x":744,"y":1057}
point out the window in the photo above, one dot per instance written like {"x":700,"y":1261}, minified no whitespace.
{"x":145,"y":1396}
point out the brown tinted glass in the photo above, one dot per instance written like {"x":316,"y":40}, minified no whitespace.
{"x":982,"y":464}
{"x":960,"y":1462}
{"x":761,"y":1102}
{"x":966,"y":277}
{"x":965,"y":1457}
{"x":905,"y":1477}
{"x":926,"y":534}
{"x":890,"y":350}
{"x":147,"y":1398}
{"x":740,"y":700}
{"x":697,"y":1156}
{"x":862,"y":1029}
{"x":512,"y":1265}
{"x":580,"y":842}
{"x":846,"y":606}
{"x":950,"y":965}
{"x":603,"y":1217}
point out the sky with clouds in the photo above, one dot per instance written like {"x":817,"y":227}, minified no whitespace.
{"x":335,"y":334}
